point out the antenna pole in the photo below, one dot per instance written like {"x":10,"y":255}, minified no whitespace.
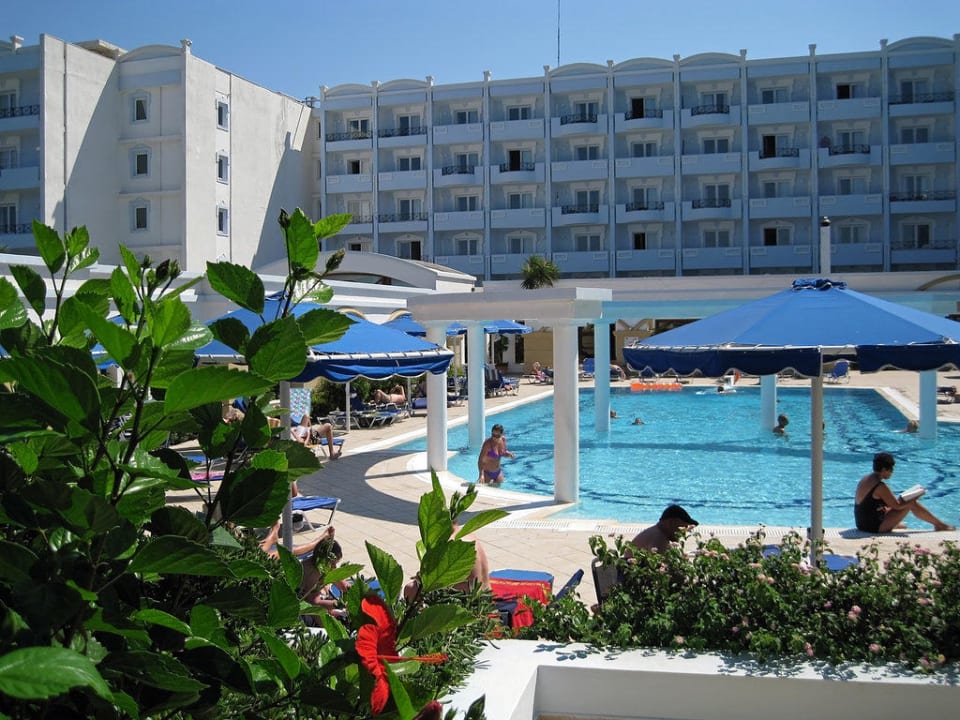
{"x":558,"y":33}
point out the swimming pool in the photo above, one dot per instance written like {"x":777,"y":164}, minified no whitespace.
{"x":707,"y":452}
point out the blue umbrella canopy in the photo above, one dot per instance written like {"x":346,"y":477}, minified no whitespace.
{"x":494,"y":327}
{"x":800,"y":328}
{"x":365,"y":350}
{"x":405,"y":323}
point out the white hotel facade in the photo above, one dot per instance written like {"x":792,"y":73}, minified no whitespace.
{"x":712,"y":165}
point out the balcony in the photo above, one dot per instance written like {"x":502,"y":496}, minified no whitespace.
{"x":517,"y":173}
{"x":402,"y":180}
{"x":849,"y":109}
{"x":925,"y":202}
{"x":794,"y":257}
{"x":661,"y":166}
{"x":588,"y":214}
{"x":517,"y":130}
{"x":17,"y":237}
{"x":923,"y":153}
{"x":402,"y":137}
{"x":851,"y":204}
{"x":578,"y":124}
{"x":783,"y":158}
{"x":23,"y":117}
{"x":640,"y":260}
{"x":454,"y":175}
{"x":349,"y":183}
{"x":710,"y":164}
{"x":466,"y":220}
{"x":856,"y":255}
{"x":402,"y":222}
{"x":785,"y":207}
{"x":644,"y":212}
{"x":847,"y":155}
{"x":940,"y":253}
{"x":625,"y":122}
{"x":19,"y":178}
{"x":941,"y":103}
{"x":591,"y":261}
{"x":712,"y":209}
{"x":518,"y":218}
{"x":463,"y":133}
{"x":469,"y":264}
{"x":707,"y":115}
{"x":349,"y":140}
{"x":575,"y":170}
{"x":359,"y":225}
{"x":778,"y":113}
{"x":507,"y":264}
{"x":727,"y":258}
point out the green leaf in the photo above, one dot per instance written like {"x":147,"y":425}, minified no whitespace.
{"x":173,"y":361}
{"x":211,"y":384}
{"x":119,"y":343}
{"x":277,"y":350}
{"x":436,"y":527}
{"x":167,"y":321}
{"x":15,"y":562}
{"x":232,"y":333}
{"x":77,"y":240}
{"x":331,"y":224}
{"x":162,"y":619}
{"x":321,"y":295}
{"x":170,"y":554}
{"x":237,"y":283}
{"x":435,"y":619}
{"x":196,"y":335}
{"x":289,"y":660}
{"x":12,"y":312}
{"x":51,"y":248}
{"x":65,"y":389}
{"x":212,"y":660}
{"x":323,"y":325}
{"x":291,"y":566}
{"x":255,"y":497}
{"x":205,"y":623}
{"x":388,"y":572}
{"x":284,"y":608}
{"x":44,"y":672}
{"x":447,"y":565}
{"x":480,"y":520}
{"x":301,"y":241}
{"x":239,"y":601}
{"x":124,"y":295}
{"x":131,"y":263}
{"x":84,"y":259}
{"x":33,"y":287}
{"x":398,"y":691}
{"x":153,"y":669}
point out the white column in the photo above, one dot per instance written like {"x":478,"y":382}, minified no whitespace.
{"x":816,"y":468}
{"x":601,"y":378}
{"x":566,"y":427}
{"x":768,"y":402}
{"x":928,"y":405}
{"x":476,"y":412}
{"x":286,"y":518}
{"x":825,"y":259}
{"x":436,"y":409}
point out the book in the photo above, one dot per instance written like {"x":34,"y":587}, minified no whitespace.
{"x":912,"y":493}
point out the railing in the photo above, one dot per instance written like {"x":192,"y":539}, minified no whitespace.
{"x":578,"y":118}
{"x":932,"y":195}
{"x":458,"y":170}
{"x":21,"y":111}
{"x":657,"y":205}
{"x":361,"y":219}
{"x":781,"y":152}
{"x":517,"y":167}
{"x":400,"y":132}
{"x":573,"y":209}
{"x":641,"y":114}
{"x":849,"y":149}
{"x":16,"y":229}
{"x":349,"y":135}
{"x":401,"y":217}
{"x":711,"y":203}
{"x":921,"y":98}
{"x":710,"y":110}
{"x":933,"y":244}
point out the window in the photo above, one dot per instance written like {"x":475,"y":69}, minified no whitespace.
{"x":851,"y":185}
{"x":914,"y":135}
{"x":588,"y":201}
{"x":770,"y":144}
{"x":354,"y":167}
{"x":359,"y":126}
{"x":140,"y":162}
{"x":521,"y":244}
{"x":8,"y":102}
{"x":409,"y":249}
{"x":716,"y":238}
{"x":520,"y":200}
{"x":360,"y":246}
{"x":223,"y":115}
{"x":465,"y":117}
{"x":641,"y":107}
{"x":223,"y":221}
{"x":773,"y":236}
{"x":141,"y":216}
{"x":846,"y":91}
{"x":586,"y":109}
{"x":8,"y":218}
{"x":468,"y":203}
{"x":717,"y":100}
{"x":519,"y":160}
{"x":408,"y":123}
{"x":645,"y":198}
{"x":644,"y":149}
{"x":587,"y":152}
{"x":140,"y":107}
{"x":713,"y":146}
{"x":771,"y":96}
{"x":776,"y":188}
{"x":409,"y":209}
{"x":915,"y":235}
{"x":850,"y":234}
{"x":915,"y":185}
{"x":467,"y":160}
{"x":8,"y":157}
{"x":518,"y":112}
{"x":717,"y":192}
{"x":913,"y":90}
{"x":467,"y":245}
{"x":359,"y":209}
{"x":587,"y":242}
{"x":850,"y":139}
{"x":223,"y":168}
{"x":405,"y":164}
{"x":640,"y":241}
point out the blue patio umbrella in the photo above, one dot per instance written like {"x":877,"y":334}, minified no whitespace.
{"x":405,"y":323}
{"x":494,"y":327}
{"x":813,"y":322}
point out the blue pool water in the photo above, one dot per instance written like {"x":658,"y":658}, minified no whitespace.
{"x":707,"y":452}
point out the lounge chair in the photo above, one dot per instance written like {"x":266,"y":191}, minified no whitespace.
{"x":839,"y":373}
{"x":604,"y":579}
{"x":947,"y":395}
{"x":303,"y":503}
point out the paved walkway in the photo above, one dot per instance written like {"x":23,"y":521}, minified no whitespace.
{"x":380,"y":489}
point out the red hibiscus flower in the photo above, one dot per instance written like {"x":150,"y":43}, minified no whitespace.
{"x":377,"y":644}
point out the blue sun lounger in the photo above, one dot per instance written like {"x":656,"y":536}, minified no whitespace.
{"x":303,"y":503}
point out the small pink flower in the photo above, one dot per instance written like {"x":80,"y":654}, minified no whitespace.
{"x":735,"y":629}
{"x":769,"y":580}
{"x":828,"y":604}
{"x":925,"y":664}
{"x":874,"y":648}
{"x":808,"y":648}
{"x":679,"y":640}
{"x":924,"y":601}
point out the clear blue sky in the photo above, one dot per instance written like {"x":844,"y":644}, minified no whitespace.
{"x":296,"y":46}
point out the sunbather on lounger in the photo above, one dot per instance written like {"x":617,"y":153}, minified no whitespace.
{"x":305,"y":432}
{"x":396,"y":395}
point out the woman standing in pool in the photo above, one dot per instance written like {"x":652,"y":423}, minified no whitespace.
{"x":493,"y":449}
{"x":877,"y":510}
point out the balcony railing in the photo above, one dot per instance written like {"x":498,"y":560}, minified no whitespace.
{"x":573,"y":209}
{"x":361,"y":219}
{"x":634,"y":206}
{"x":641,"y":114}
{"x":21,"y":111}
{"x":780,"y":152}
{"x":401,"y":132}
{"x":349,"y":135}
{"x":849,"y":149}
{"x":932,"y":244}
{"x":401,"y":217}
{"x":710,"y":110}
{"x":518,"y":167}
{"x":711,"y":203}
{"x":458,"y":169}
{"x":920,"y":196}
{"x":16,"y":229}
{"x":578,"y":118}
{"x":921,"y":98}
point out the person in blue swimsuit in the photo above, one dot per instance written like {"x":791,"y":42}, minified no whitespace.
{"x":493,"y":449}
{"x":877,"y":510}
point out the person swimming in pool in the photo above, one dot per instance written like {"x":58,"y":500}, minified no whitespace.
{"x":493,"y":449}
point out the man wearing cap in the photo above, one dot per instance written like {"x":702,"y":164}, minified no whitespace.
{"x":657,"y":538}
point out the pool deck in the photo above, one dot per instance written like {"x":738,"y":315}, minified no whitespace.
{"x":380,"y":489}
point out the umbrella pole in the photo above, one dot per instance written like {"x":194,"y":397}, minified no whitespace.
{"x":816,"y":469}
{"x":286,"y":521}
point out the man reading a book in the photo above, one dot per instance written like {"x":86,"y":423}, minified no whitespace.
{"x":877,"y":510}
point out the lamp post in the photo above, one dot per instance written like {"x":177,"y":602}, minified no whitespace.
{"x":824,"y":245}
